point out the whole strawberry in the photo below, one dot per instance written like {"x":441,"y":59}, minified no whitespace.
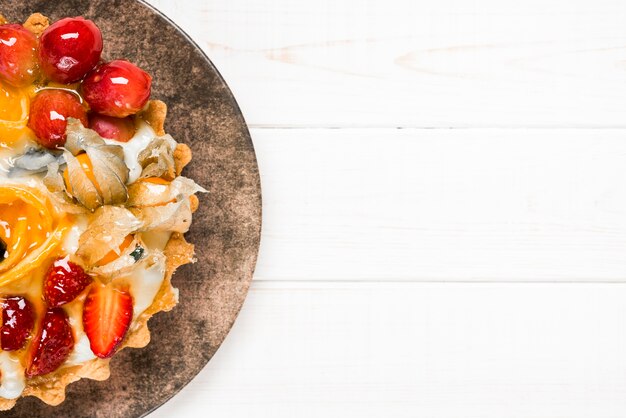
{"x":64,"y":282}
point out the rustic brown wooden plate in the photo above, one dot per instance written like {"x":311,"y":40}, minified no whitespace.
{"x":226,"y":229}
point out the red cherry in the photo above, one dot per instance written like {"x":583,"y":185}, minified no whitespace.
{"x":17,"y":322}
{"x":117,"y":89}
{"x":49,"y":112}
{"x":69,"y":49}
{"x":64,"y":282}
{"x":18,"y":55}
{"x":121,"y":130}
{"x":52,"y":345}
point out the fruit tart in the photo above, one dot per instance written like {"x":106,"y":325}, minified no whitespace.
{"x":93,"y":207}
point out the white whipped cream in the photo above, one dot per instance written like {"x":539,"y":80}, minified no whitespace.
{"x":70,"y":243}
{"x":145,"y":284}
{"x":156,"y":240}
{"x":12,"y":377}
{"x":82,"y":351}
{"x":144,"y":135}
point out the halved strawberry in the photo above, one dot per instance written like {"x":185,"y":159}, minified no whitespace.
{"x":64,"y":282}
{"x":52,"y":345}
{"x":17,"y":322}
{"x":107,"y":315}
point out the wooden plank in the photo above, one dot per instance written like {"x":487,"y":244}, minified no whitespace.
{"x":418,"y":350}
{"x":417,"y":63}
{"x":455,"y":205}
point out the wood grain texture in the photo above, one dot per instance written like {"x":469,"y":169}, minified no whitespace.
{"x":407,"y":63}
{"x":418,"y":350}
{"x":403,"y":205}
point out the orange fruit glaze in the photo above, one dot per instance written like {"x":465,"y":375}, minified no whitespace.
{"x":14,"y":107}
{"x":33,"y":232}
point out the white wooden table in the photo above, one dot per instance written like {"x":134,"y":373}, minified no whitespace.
{"x":444,"y":187}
